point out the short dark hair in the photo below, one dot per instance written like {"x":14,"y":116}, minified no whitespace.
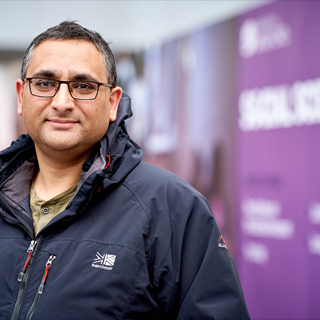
{"x":73,"y":31}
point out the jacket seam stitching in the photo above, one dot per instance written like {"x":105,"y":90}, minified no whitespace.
{"x":94,"y":241}
{"x":129,"y":189}
{"x":148,"y":217}
{"x":170,"y":286}
{"x":131,"y":293}
{"x":162,"y":280}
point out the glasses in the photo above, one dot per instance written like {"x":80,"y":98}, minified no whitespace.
{"x":79,"y":90}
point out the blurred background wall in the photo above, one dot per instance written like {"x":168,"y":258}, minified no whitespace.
{"x":227,"y":95}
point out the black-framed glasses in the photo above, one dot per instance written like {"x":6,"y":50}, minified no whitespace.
{"x":79,"y":89}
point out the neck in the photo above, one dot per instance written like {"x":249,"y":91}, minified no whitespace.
{"x":56,"y":175}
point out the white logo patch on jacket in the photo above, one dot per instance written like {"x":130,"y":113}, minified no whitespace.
{"x":104,"y":261}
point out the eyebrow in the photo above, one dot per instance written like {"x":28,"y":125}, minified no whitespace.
{"x":82,"y":76}
{"x":45,"y":73}
{"x":72,"y":75}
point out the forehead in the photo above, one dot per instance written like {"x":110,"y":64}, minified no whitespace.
{"x":63,"y":58}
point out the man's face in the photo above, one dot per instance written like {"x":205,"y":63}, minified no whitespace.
{"x":62,"y":123}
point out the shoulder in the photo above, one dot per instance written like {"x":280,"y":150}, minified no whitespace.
{"x":162,"y":192}
{"x":149,"y":179}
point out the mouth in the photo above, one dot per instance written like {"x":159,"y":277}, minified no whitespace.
{"x":62,"y":123}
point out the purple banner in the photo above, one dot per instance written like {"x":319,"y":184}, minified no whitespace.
{"x":279,"y":159}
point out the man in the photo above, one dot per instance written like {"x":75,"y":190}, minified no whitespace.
{"x":88,"y":230}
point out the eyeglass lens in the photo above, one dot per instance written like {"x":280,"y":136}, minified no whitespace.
{"x":84,"y":90}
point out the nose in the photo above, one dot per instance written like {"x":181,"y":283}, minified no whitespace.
{"x":63,"y":101}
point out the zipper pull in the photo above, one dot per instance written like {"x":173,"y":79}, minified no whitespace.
{"x":48,"y":266}
{"x":30,"y":252}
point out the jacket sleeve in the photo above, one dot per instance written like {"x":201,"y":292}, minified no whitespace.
{"x":194,"y":276}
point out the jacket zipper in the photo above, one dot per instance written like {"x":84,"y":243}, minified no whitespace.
{"x":23,"y":275}
{"x":41,"y":287}
{"x":30,"y":252}
{"x":22,"y":278}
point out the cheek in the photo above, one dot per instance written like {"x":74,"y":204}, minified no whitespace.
{"x":25,"y":112}
{"x":102,"y":123}
{"x":96,"y":123}
{"x":30,"y":108}
{"x":102,"y":117}
{"x":32,"y":115}
{"x":29,"y":120}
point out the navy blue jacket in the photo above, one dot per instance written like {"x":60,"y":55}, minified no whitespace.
{"x":135,"y":242}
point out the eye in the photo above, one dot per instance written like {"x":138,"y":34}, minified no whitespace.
{"x":84,"y":86}
{"x":44,"y":84}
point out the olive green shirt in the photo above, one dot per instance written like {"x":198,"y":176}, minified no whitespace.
{"x":44,"y":211}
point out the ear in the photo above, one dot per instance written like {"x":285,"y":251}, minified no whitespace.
{"x":114,"y":100}
{"x":19,"y":90}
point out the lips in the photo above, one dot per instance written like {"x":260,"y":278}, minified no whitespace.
{"x":62,"y":123}
{"x":62,"y":120}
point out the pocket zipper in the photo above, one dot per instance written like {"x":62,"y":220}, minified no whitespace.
{"x":48,"y":266}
